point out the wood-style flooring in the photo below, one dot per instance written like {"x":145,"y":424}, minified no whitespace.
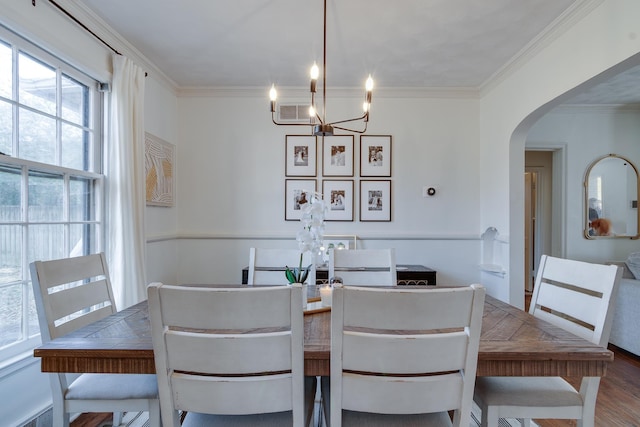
{"x":618,"y":403}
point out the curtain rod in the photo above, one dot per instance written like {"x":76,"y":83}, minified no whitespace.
{"x":87,"y":29}
{"x":77,"y":21}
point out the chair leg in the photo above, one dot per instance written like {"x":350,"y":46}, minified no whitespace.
{"x":60,"y":417}
{"x":117,"y":419}
{"x":154,"y":413}
{"x":489,"y":417}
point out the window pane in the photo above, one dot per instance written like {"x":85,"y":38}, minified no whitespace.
{"x":10,"y":194}
{"x":37,"y":84}
{"x":74,"y":149}
{"x":10,"y":253}
{"x":6,"y":125}
{"x":37,"y":137}
{"x":74,"y":101}
{"x":81,"y":238}
{"x":81,"y":199}
{"x":6,"y":73}
{"x":46,"y":193}
{"x":46,"y":117}
{"x":10,"y":314}
{"x":46,"y":242}
{"x":32,"y":316}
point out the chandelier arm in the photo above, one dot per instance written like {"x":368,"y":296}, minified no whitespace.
{"x":362,"y":117}
{"x":352,"y":130}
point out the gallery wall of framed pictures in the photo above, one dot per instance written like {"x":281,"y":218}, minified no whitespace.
{"x":336,"y":177}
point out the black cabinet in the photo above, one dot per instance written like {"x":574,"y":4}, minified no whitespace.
{"x":408,"y":274}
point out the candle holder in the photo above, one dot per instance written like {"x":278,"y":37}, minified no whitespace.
{"x":326,"y":295}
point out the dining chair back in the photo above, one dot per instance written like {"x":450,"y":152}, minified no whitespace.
{"x":370,"y":267}
{"x":71,"y":293}
{"x":229,"y":356}
{"x":266,"y":265}
{"x":578,"y":297}
{"x":404,"y":356}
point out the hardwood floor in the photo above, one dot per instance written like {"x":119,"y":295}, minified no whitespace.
{"x":618,"y":396}
{"x":92,"y":420}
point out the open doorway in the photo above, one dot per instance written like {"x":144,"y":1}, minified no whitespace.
{"x":538,"y":217}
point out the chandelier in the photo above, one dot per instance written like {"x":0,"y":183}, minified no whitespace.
{"x":317,"y":122}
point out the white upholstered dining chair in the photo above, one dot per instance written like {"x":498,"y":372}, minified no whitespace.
{"x":71,"y":293}
{"x":403,"y":357}
{"x":230,"y":356}
{"x":578,"y":297}
{"x":266,"y":265}
{"x":371,"y":267}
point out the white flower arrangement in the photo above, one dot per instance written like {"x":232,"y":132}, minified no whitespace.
{"x":310,"y":237}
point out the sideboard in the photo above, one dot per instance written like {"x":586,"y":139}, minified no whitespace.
{"x":408,"y":274}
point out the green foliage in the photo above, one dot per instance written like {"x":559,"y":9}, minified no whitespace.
{"x":297,"y":274}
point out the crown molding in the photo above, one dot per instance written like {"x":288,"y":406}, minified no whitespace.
{"x":336,"y":92}
{"x":576,"y":12}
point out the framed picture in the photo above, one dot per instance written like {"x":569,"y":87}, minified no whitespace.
{"x":159,"y":164}
{"x":337,"y":155}
{"x":375,"y":155}
{"x":295,"y":194}
{"x":301,"y":155}
{"x":375,"y":200}
{"x":338,"y":195}
{"x":336,"y":241}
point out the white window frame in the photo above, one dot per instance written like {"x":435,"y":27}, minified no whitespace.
{"x":30,"y":338}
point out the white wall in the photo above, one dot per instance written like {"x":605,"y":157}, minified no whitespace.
{"x":590,"y":133}
{"x":161,"y":120}
{"x":604,"y":37}
{"x":231,"y":183}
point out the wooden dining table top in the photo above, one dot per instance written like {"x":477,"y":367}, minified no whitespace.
{"x":512,"y":343}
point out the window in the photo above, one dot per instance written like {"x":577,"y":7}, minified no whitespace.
{"x":50,"y":177}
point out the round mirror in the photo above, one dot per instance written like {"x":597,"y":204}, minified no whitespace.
{"x":611,"y":199}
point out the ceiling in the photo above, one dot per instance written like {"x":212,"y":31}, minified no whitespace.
{"x":403,"y":44}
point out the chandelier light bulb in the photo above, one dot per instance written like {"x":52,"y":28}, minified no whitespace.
{"x":273,"y":94}
{"x":312,"y":111}
{"x":365,"y":106}
{"x":369,"y":84}
{"x":315,"y":71}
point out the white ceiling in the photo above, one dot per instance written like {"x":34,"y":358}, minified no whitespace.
{"x":402,"y":44}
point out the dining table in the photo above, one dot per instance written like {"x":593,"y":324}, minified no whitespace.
{"x":513,"y":343}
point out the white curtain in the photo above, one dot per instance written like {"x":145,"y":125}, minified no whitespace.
{"x":125,"y":184}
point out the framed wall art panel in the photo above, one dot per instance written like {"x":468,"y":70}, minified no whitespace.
{"x":300,"y":155}
{"x":338,"y":195}
{"x":159,"y":165}
{"x":375,"y":200}
{"x":337,"y":155}
{"x":375,"y":155}
{"x":295,"y":195}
